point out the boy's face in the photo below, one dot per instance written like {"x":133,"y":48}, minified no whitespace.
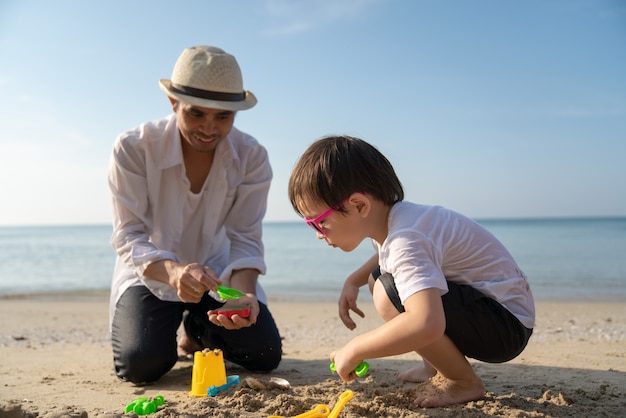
{"x":339,"y":230}
{"x":316,"y":223}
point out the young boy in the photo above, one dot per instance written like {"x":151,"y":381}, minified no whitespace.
{"x":446,"y":287}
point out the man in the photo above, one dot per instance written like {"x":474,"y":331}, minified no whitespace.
{"x":189,"y":194}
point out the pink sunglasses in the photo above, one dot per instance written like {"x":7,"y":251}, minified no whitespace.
{"x":315,"y":222}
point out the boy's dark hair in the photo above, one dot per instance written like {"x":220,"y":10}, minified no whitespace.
{"x":334,"y":167}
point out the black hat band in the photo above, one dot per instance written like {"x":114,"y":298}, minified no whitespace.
{"x":206,"y":94}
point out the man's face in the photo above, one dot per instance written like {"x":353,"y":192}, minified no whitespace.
{"x":202,"y":128}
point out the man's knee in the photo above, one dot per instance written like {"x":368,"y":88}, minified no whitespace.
{"x":269,"y":358}
{"x":263,"y":357}
{"x":143,"y":366}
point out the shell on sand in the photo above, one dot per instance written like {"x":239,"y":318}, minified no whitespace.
{"x":253,"y":383}
{"x":280,"y":383}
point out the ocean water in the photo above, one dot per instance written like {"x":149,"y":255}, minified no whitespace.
{"x":564,"y":259}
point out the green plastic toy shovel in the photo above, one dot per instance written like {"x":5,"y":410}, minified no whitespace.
{"x":228,"y":293}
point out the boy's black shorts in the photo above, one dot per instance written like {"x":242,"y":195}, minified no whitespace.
{"x":480,"y":327}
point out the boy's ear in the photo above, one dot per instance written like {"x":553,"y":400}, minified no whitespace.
{"x":362,"y":203}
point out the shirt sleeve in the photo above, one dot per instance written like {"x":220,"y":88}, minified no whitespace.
{"x":129,"y":193}
{"x":243,"y":221}
{"x":413,"y":260}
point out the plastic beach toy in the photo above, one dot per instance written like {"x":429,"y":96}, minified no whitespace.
{"x":241,"y":310}
{"x":228,"y":293}
{"x":343,"y":399}
{"x":361,"y":370}
{"x":230,"y":381}
{"x":320,"y":411}
{"x":208,"y":376}
{"x":208,"y":370}
{"x":145,"y":406}
{"x":324,"y":411}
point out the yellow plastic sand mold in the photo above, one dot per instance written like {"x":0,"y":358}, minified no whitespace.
{"x":341,"y":402}
{"x":208,"y":370}
{"x":324,"y":411}
{"x":320,"y":411}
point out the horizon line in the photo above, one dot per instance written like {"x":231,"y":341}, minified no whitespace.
{"x":477,"y":219}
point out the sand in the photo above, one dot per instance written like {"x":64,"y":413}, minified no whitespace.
{"x":55,"y":361}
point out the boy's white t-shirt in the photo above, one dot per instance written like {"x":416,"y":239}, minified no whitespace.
{"x":429,"y":245}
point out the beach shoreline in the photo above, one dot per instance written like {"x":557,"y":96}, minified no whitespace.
{"x":56,"y":362}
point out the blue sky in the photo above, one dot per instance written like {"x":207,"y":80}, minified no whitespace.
{"x":496,"y":109}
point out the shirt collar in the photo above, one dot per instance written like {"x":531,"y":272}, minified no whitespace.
{"x":172,"y":149}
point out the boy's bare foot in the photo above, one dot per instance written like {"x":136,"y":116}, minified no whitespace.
{"x":440,"y":391}
{"x":417,"y":374}
{"x":186,"y":347}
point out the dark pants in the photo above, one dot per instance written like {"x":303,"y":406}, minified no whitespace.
{"x":144,"y":336}
{"x":480,"y":327}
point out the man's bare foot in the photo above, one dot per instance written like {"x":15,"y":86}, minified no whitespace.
{"x":417,"y":374}
{"x":186,"y":347}
{"x":440,"y":391}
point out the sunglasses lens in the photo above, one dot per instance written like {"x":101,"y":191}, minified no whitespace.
{"x":313,"y":225}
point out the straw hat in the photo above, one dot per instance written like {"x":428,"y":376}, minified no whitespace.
{"x":207,"y":76}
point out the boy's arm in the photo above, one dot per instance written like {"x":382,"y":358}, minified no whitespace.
{"x":361,"y":275}
{"x":419,"y":326}
{"x":350,"y":291}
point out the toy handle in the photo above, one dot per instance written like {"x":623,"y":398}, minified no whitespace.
{"x":341,"y":402}
{"x":361,"y":370}
{"x":320,"y":411}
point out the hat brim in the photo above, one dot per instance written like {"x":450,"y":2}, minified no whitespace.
{"x":247,"y":103}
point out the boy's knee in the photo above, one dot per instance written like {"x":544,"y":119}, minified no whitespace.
{"x":386,"y":297}
{"x":382,"y":303}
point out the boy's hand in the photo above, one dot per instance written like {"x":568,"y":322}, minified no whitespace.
{"x":344,"y":365}
{"x":347,"y":303}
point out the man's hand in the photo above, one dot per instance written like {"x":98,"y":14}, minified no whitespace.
{"x":193,"y":281}
{"x":190,"y":281}
{"x":236,"y":321}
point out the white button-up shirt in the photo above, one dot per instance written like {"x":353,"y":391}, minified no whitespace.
{"x":157,"y":217}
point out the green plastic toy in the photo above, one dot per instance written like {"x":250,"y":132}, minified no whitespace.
{"x":145,"y":406}
{"x":228,"y":293}
{"x":361,"y":370}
